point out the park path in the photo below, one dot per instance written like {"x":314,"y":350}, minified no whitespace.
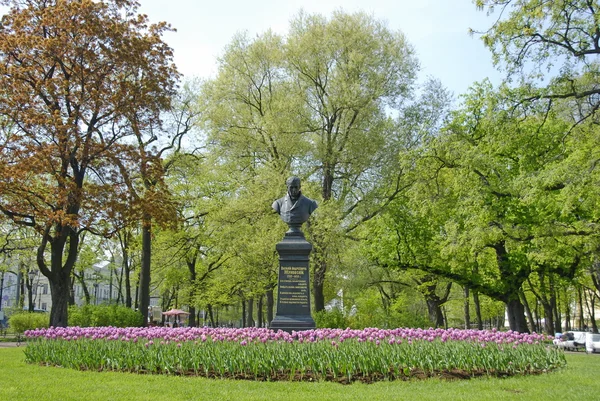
{"x":10,"y":345}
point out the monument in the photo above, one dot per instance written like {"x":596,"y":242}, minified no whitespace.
{"x":293,"y":293}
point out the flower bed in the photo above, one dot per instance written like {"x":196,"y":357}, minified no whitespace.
{"x":324,"y":354}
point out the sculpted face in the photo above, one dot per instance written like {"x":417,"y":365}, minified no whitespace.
{"x":293,"y":210}
{"x":294,"y":189}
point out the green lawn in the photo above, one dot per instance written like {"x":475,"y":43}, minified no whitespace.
{"x":20,"y":381}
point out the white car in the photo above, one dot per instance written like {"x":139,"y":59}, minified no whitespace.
{"x":592,"y":343}
{"x":572,"y":340}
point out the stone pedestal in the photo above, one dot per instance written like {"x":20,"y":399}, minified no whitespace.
{"x":293,"y":291}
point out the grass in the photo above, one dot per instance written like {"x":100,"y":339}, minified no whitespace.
{"x":20,"y":381}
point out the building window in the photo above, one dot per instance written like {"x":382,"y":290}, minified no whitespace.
{"x":44,"y":305}
{"x":45,"y":290}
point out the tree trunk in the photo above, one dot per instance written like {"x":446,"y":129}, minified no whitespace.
{"x":581,"y":320}
{"x":192,"y":316}
{"x":210,"y":315}
{"x":60,"y":302}
{"x":593,"y":312}
{"x":1,"y":289}
{"x":530,"y":318}
{"x":84,"y":288}
{"x":144,"y":299}
{"x":259,"y":311}
{"x":548,"y":318}
{"x":512,"y":277}
{"x":318,"y":283}
{"x":110,"y":282}
{"x":554,"y":306}
{"x":567,"y":316}
{"x":436,"y":316}
{"x":128,"y":297}
{"x":477,"y":310}
{"x":250,"y":310}
{"x":320,"y":265}
{"x":191,"y":263}
{"x":72,"y":292}
{"x":120,"y":288}
{"x":20,"y":289}
{"x":589,"y":300}
{"x":467,"y":311}
{"x":59,"y":273}
{"x":31,"y":306}
{"x":127,"y":269}
{"x":516,"y":316}
{"x":21,"y":299}
{"x":270,"y":305}
{"x":243,"y":312}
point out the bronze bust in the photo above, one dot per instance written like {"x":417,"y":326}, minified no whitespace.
{"x":294,"y":208}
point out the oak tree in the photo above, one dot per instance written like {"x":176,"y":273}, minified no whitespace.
{"x":72,"y":73}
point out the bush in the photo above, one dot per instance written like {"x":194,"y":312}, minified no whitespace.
{"x":334,"y":319}
{"x":103,"y":315}
{"x":21,"y":322}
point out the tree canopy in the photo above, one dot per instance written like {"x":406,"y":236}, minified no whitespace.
{"x":72,"y":74}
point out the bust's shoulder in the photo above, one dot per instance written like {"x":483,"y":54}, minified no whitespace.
{"x":277,"y":204}
{"x":308,"y":201}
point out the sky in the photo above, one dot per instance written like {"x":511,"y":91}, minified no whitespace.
{"x":437,"y":29}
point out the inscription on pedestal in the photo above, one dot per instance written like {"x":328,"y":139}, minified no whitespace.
{"x":293,"y":286}
{"x":293,"y":294}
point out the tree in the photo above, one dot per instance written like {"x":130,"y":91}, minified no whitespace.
{"x":489,"y":209}
{"x":193,"y":248}
{"x":349,"y":70}
{"x":144,"y":175}
{"x":560,"y":39}
{"x":72,"y":75}
{"x":317,"y":102}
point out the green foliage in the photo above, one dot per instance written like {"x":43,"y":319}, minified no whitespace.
{"x":333,"y":319}
{"x":543,"y":32}
{"x":317,"y":102}
{"x":404,"y":312}
{"x":551,"y":47}
{"x":103,"y":315}
{"x":22,"y":321}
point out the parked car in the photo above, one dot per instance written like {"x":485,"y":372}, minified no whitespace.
{"x":571,"y":340}
{"x":592,"y":343}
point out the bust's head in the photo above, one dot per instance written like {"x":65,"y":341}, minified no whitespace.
{"x":293,"y":185}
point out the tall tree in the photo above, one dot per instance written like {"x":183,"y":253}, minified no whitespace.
{"x":490,"y":207}
{"x":72,"y":73}
{"x":552,"y":46}
{"x":144,"y":174}
{"x":318,"y":102}
{"x":350,"y":69}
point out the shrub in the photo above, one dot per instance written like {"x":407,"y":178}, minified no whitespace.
{"x":21,"y":322}
{"x":333,"y":319}
{"x":103,"y":315}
